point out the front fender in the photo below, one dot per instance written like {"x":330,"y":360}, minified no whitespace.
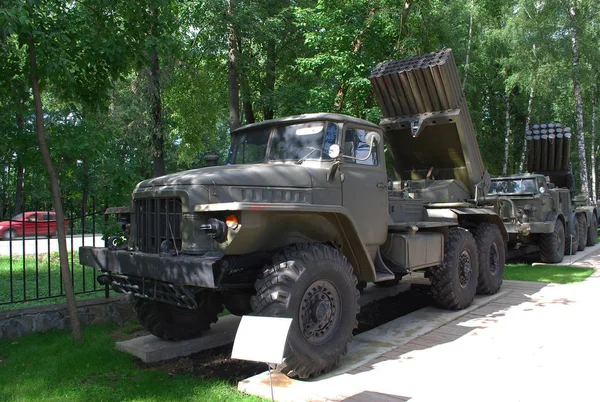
{"x":272,"y":226}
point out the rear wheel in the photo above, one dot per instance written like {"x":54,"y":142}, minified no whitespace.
{"x":313,"y":284}
{"x":173,"y":323}
{"x":454,"y":284}
{"x":490,"y":247}
{"x":9,"y":234}
{"x":583,"y":232}
{"x":572,"y":238}
{"x":552,"y":245}
{"x":592,"y":237}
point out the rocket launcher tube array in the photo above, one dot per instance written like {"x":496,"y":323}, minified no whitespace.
{"x":426,"y":118}
{"x":548,"y":148}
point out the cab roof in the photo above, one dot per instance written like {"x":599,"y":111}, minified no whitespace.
{"x":335,"y":117}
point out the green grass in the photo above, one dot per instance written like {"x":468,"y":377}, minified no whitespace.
{"x":546,"y":273}
{"x":50,"y":367}
{"x":24,"y":284}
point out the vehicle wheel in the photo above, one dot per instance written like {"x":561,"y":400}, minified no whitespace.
{"x":582,"y":232}
{"x":454,"y":284}
{"x":552,"y":245}
{"x":572,"y":239}
{"x":173,"y":323}
{"x":313,"y":284}
{"x":490,"y":247}
{"x":592,"y":237}
{"x":9,"y":234}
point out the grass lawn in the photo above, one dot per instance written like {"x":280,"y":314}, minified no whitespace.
{"x":49,"y":367}
{"x":18,"y":281}
{"x":546,"y":273}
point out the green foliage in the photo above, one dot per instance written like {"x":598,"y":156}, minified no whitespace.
{"x":546,"y":273}
{"x":294,"y":57}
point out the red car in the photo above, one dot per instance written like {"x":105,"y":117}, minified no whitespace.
{"x":29,"y":224}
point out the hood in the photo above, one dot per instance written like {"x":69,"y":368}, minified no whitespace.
{"x":272,"y":175}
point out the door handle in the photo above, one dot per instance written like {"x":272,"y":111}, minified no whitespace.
{"x":380,"y":184}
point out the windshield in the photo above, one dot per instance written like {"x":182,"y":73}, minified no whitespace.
{"x":18,"y":217}
{"x":515,"y":186}
{"x":294,"y":142}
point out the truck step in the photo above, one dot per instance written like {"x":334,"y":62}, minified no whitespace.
{"x":382,"y":272}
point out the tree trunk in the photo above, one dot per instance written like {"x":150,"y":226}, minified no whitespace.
{"x":18,"y":207}
{"x":233,"y":86}
{"x":270,"y":79}
{"x":340,"y":96}
{"x":470,"y":38}
{"x":157,"y":140}
{"x":594,"y":188}
{"x":578,"y":105}
{"x":507,"y":132}
{"x":527,"y":124}
{"x":56,"y":196}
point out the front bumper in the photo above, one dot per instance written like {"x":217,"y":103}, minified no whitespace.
{"x":527,"y":228}
{"x":183,"y":270}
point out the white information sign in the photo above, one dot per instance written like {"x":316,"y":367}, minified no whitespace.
{"x":261,"y":339}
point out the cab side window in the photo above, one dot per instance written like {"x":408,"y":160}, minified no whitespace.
{"x":355,"y":145}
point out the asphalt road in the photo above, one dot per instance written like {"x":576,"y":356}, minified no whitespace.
{"x":44,"y":244}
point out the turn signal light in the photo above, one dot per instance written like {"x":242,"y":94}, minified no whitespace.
{"x":232,"y":221}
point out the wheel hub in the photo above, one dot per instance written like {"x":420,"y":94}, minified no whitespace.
{"x":464,"y":268}
{"x":319,"y":312}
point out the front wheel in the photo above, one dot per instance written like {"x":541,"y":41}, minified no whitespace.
{"x":454,"y":284}
{"x":552,"y":245}
{"x":313,"y":284}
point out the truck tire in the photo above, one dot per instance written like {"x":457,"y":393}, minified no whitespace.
{"x":592,"y":237}
{"x":552,"y":245}
{"x":582,"y":232}
{"x":572,"y":239}
{"x":313,"y":284}
{"x":173,"y":323}
{"x":453,"y":285}
{"x":490,"y":248}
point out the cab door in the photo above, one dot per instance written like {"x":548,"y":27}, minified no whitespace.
{"x":364,"y":185}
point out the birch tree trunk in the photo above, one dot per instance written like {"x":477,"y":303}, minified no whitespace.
{"x":593,"y":145}
{"x":56,"y":196}
{"x":578,"y":105}
{"x":469,"y":45}
{"x":527,"y":125}
{"x":507,"y":133}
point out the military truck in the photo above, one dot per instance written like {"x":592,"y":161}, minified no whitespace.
{"x":303,"y":211}
{"x":540,"y":208}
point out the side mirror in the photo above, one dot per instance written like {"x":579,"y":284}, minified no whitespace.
{"x":334,"y":151}
{"x":372,"y":138}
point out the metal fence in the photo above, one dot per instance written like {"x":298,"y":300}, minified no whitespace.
{"x":29,"y":258}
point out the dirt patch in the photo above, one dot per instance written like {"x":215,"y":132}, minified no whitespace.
{"x":217,"y":364}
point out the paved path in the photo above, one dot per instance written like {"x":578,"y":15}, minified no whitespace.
{"x":536,"y":342}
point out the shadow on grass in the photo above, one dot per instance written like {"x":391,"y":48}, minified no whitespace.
{"x":51,"y":367}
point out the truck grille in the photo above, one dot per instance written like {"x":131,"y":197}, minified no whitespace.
{"x":157,"y":220}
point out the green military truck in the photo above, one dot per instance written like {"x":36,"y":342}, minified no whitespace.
{"x":303,"y":212}
{"x":540,"y":208}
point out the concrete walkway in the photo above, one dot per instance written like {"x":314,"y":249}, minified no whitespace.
{"x":534,"y":342}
